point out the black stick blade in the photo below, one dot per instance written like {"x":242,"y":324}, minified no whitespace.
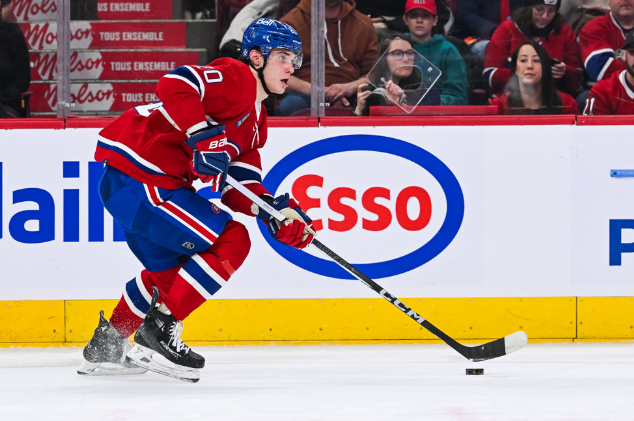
{"x":498,"y":348}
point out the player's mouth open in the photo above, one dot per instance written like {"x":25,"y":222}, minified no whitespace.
{"x":285,"y":82}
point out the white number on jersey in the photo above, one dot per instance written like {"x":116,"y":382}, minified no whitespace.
{"x":588,"y":109}
{"x":212,"y":76}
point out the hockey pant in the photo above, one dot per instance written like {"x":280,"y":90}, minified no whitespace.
{"x":188,"y":246}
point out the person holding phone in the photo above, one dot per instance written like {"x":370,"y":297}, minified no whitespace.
{"x":531,"y":88}
{"x":538,"y":20}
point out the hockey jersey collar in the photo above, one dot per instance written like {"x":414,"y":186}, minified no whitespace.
{"x":626,"y":86}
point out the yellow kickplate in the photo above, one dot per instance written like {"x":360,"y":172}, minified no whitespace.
{"x":82,"y":317}
{"x":376,"y":319}
{"x":310,"y":319}
{"x":605,"y":318}
{"x":32,"y":321}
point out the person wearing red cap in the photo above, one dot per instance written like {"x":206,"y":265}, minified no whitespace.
{"x":538,"y":20}
{"x":615,"y":95}
{"x":421,"y":17}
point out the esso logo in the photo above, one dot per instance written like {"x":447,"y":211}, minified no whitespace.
{"x":385,"y":205}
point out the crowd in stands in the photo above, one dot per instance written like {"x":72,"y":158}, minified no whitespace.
{"x":524,"y":56}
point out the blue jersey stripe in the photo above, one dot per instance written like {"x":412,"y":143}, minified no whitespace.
{"x":244,"y":174}
{"x":130,"y":158}
{"x":185,"y":73}
{"x":596,"y":64}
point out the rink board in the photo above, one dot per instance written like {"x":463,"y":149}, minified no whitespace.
{"x":513,"y":211}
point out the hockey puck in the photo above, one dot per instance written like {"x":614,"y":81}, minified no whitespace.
{"x":475,"y":371}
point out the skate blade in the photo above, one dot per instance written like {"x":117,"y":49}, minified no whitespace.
{"x":153,"y":361}
{"x":108,"y":369}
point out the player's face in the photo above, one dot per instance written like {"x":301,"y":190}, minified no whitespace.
{"x":420,"y":22}
{"x":528,"y":67}
{"x":278,"y":70}
{"x":543,"y":14}
{"x":400,"y":58}
{"x":622,"y":8}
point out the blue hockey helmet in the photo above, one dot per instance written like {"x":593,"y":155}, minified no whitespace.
{"x":267,"y":34}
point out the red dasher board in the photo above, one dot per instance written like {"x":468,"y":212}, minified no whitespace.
{"x":32,"y":10}
{"x":107,"y":35}
{"x":139,"y":10}
{"x":105,"y":65}
{"x":94,"y":96}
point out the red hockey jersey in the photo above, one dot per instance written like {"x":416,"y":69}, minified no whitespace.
{"x":598,"y":39}
{"x":148,"y":142}
{"x":610,"y":96}
{"x":507,"y":37}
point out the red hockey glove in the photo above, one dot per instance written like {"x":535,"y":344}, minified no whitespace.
{"x":296,"y":229}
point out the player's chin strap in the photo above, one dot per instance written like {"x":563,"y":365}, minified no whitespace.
{"x":260,"y":73}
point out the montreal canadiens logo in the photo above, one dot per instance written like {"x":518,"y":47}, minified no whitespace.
{"x":385,"y":205}
{"x":215,"y":208}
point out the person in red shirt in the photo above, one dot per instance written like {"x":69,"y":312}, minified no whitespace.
{"x":209,"y":123}
{"x":531,"y":87}
{"x":615,"y":95}
{"x":602,"y":36}
{"x":538,"y":20}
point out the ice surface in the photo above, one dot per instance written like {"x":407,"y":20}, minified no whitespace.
{"x":576,"y":382}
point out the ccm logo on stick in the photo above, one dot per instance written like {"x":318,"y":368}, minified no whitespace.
{"x":376,"y":210}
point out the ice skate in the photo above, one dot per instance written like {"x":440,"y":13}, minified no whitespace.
{"x":159,"y":347}
{"x":105,"y":354}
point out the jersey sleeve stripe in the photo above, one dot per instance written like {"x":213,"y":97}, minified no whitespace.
{"x":197,"y":126}
{"x":168,"y":118}
{"x":244,"y":174}
{"x":200,"y":81}
{"x":130,"y":155}
{"x":234,"y":146}
{"x":488,"y":75}
{"x":598,"y":61}
{"x":625,"y":85}
{"x":183,"y":74}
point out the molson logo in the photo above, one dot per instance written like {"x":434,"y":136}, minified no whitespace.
{"x":388,"y":205}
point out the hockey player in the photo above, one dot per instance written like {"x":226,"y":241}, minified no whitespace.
{"x":615,"y":95}
{"x":208,"y":123}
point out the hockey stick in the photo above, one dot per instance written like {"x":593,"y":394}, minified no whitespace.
{"x":494,"y":349}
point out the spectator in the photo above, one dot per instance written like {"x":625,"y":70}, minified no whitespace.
{"x":479,"y":18}
{"x":397,"y":78}
{"x":5,"y":10}
{"x":386,"y":16}
{"x":531,"y":87}
{"x":420,"y":17}
{"x":15,"y":67}
{"x":600,"y":37}
{"x":351,"y":46}
{"x":538,"y":20}
{"x":615,"y":95}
